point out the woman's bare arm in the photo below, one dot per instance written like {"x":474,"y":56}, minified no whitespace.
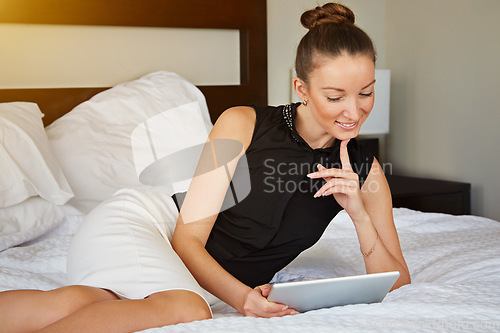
{"x":197,"y":217}
{"x":386,"y":254}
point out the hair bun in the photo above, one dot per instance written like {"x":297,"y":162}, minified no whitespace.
{"x":328,"y":13}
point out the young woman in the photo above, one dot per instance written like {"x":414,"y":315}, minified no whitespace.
{"x":304,"y":166}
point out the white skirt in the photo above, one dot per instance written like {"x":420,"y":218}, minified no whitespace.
{"x":123,"y":245}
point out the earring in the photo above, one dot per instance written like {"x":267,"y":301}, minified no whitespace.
{"x":304,"y":102}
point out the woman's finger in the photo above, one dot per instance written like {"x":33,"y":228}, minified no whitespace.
{"x":344,"y":156}
{"x":329,"y":173}
{"x":265,"y":289}
{"x":288,"y":312}
{"x":321,"y":168}
{"x":261,"y":307}
{"x":342,"y":189}
{"x":269,"y":309}
{"x":272,"y":309}
{"x":337,"y":185}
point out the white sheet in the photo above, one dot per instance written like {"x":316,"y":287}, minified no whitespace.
{"x":454,"y":263}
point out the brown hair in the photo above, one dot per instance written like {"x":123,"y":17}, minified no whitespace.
{"x":331,"y":32}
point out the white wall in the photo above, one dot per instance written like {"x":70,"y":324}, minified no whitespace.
{"x":445,"y":106}
{"x":445,"y":83}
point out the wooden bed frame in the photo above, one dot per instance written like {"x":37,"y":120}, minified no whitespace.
{"x":247,"y":16}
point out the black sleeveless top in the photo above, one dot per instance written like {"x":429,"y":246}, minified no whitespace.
{"x":279,"y":218}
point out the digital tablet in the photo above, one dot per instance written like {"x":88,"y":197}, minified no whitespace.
{"x":324,"y":293}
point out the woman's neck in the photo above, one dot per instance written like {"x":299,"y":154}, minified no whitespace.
{"x":309,"y":129}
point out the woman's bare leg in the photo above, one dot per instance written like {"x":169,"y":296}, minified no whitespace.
{"x":31,"y":310}
{"x":160,"y":309}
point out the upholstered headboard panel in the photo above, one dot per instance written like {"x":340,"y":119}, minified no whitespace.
{"x":247,"y":16}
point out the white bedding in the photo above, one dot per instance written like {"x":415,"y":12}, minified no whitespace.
{"x":454,"y":262}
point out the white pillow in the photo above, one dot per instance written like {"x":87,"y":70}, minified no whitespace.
{"x":27,"y":166}
{"x":28,"y":220}
{"x":93,"y":142}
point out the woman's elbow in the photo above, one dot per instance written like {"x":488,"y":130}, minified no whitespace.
{"x":183,"y":244}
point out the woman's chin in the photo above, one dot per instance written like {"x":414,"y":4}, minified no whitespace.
{"x":346,"y":136}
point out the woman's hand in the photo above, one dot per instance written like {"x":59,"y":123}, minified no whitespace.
{"x":370,"y":209}
{"x":257,"y":305}
{"x":343,"y":184}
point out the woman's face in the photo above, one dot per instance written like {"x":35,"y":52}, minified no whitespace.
{"x":340,"y":94}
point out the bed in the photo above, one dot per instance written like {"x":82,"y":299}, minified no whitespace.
{"x":85,"y":153}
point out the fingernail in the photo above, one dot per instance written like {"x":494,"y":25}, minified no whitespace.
{"x":284,"y":308}
{"x":294,"y":313}
{"x":310,"y":175}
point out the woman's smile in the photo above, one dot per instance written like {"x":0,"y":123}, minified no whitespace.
{"x":348,"y":125}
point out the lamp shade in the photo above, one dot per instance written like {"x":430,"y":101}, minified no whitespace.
{"x":378,"y":121}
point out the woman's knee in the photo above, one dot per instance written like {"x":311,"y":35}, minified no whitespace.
{"x":73,"y":298}
{"x":31,"y":310}
{"x":195,"y":308}
{"x":182,"y":306}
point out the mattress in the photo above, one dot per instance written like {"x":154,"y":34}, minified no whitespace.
{"x":454,"y":262}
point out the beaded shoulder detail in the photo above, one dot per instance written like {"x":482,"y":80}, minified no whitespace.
{"x":288,"y":117}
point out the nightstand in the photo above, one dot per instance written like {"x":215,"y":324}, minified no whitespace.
{"x":430,"y":195}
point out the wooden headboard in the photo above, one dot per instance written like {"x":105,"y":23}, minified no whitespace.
{"x":247,"y":16}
